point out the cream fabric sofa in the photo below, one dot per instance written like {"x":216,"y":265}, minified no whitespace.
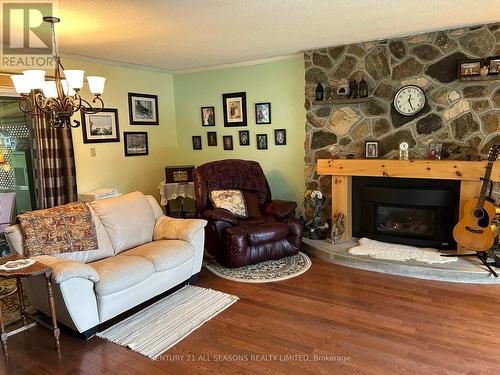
{"x":141,"y":254}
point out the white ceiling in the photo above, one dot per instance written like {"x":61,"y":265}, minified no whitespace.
{"x":184,"y":34}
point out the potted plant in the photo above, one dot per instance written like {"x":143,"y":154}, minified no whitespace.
{"x":316,"y":228}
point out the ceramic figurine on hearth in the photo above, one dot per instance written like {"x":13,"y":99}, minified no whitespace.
{"x":338,"y":228}
{"x":353,"y":88}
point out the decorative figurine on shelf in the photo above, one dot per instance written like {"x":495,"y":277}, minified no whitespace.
{"x":329,"y":92}
{"x":484,"y":71}
{"x":338,"y":228}
{"x":403,"y":151}
{"x":320,"y":93}
{"x":343,"y":88}
{"x":363,"y":88}
{"x":353,"y":88}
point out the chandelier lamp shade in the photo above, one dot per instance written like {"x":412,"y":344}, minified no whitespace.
{"x":58,"y":98}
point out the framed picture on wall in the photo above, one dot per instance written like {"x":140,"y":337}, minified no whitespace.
{"x":280,"y":137}
{"x":493,"y":65}
{"x":212,"y":138}
{"x":235,"y":109}
{"x":143,"y":109}
{"x":227,"y":141}
{"x":196,"y":139}
{"x":469,"y":68}
{"x":207,"y":116}
{"x":262,"y":113}
{"x":244,"y":136}
{"x":261,"y":141}
{"x":136,"y":143}
{"x":101,"y":126}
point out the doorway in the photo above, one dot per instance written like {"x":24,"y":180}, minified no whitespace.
{"x":17,"y":187}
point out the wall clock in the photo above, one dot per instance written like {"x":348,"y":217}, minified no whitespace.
{"x":409,"y":100}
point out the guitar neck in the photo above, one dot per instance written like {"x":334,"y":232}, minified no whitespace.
{"x":484,"y":186}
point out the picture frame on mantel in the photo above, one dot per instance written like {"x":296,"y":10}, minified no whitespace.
{"x":100,"y":127}
{"x":143,"y":109}
{"x":235,"y":109}
{"x":371,"y":150}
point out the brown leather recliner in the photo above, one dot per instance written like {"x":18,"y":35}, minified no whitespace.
{"x":270,"y":232}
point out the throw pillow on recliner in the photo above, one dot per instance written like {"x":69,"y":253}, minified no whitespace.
{"x":231,"y":200}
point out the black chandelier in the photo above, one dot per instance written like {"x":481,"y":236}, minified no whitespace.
{"x":57,"y":98}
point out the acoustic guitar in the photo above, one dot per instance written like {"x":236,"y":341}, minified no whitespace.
{"x":475,"y":231}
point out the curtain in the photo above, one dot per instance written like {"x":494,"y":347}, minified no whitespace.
{"x":55,"y":164}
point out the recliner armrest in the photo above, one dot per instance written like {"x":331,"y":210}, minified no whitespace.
{"x":169,"y":228}
{"x":65,"y":269}
{"x":280,"y":209}
{"x":221,"y":214}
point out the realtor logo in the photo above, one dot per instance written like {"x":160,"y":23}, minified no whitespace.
{"x":26,"y":38}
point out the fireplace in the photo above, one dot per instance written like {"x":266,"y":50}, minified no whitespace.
{"x":408,"y":211}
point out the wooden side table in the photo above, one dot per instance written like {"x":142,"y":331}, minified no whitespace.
{"x":33,"y":270}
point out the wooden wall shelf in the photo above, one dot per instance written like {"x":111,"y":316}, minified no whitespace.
{"x":343,"y":101}
{"x":342,"y":170}
{"x":481,"y":78}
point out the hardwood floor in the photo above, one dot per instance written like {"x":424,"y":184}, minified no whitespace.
{"x":353,"y":321}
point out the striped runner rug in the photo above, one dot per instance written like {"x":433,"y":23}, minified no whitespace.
{"x":160,"y":326}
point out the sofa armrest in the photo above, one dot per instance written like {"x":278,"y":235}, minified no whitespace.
{"x":65,"y":269}
{"x":168,"y":228}
{"x":280,"y":209}
{"x":221,"y":214}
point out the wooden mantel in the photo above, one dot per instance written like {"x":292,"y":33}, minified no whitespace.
{"x":434,"y":169}
{"x":341,"y":170}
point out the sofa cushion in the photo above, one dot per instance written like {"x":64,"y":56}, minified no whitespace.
{"x":104,"y":250}
{"x":118,"y":273}
{"x":269,"y":232}
{"x":163,"y":254}
{"x":128,"y":219}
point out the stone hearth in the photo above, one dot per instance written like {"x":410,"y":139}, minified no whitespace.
{"x":464,"y":270}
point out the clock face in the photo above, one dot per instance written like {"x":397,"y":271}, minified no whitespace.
{"x":409,"y":100}
{"x":403,"y":146}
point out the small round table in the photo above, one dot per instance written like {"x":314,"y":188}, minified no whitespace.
{"x":30,"y":271}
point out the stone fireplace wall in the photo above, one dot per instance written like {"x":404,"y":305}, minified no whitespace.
{"x":464,"y":116}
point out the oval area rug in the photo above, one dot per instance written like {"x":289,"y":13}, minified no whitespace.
{"x":265,"y":272}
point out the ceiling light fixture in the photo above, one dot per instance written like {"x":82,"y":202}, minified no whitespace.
{"x":59,"y":98}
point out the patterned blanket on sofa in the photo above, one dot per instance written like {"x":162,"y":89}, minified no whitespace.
{"x":60,"y":229}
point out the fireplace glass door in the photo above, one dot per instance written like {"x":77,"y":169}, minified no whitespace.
{"x":417,"y":222}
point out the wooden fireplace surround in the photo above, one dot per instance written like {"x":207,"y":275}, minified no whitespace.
{"x":342,"y":170}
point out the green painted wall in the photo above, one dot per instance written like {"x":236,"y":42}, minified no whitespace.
{"x":282,"y":84}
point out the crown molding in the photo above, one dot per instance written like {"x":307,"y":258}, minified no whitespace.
{"x":122,"y":64}
{"x":291,"y":56}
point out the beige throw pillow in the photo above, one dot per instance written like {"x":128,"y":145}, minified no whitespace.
{"x":231,"y":200}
